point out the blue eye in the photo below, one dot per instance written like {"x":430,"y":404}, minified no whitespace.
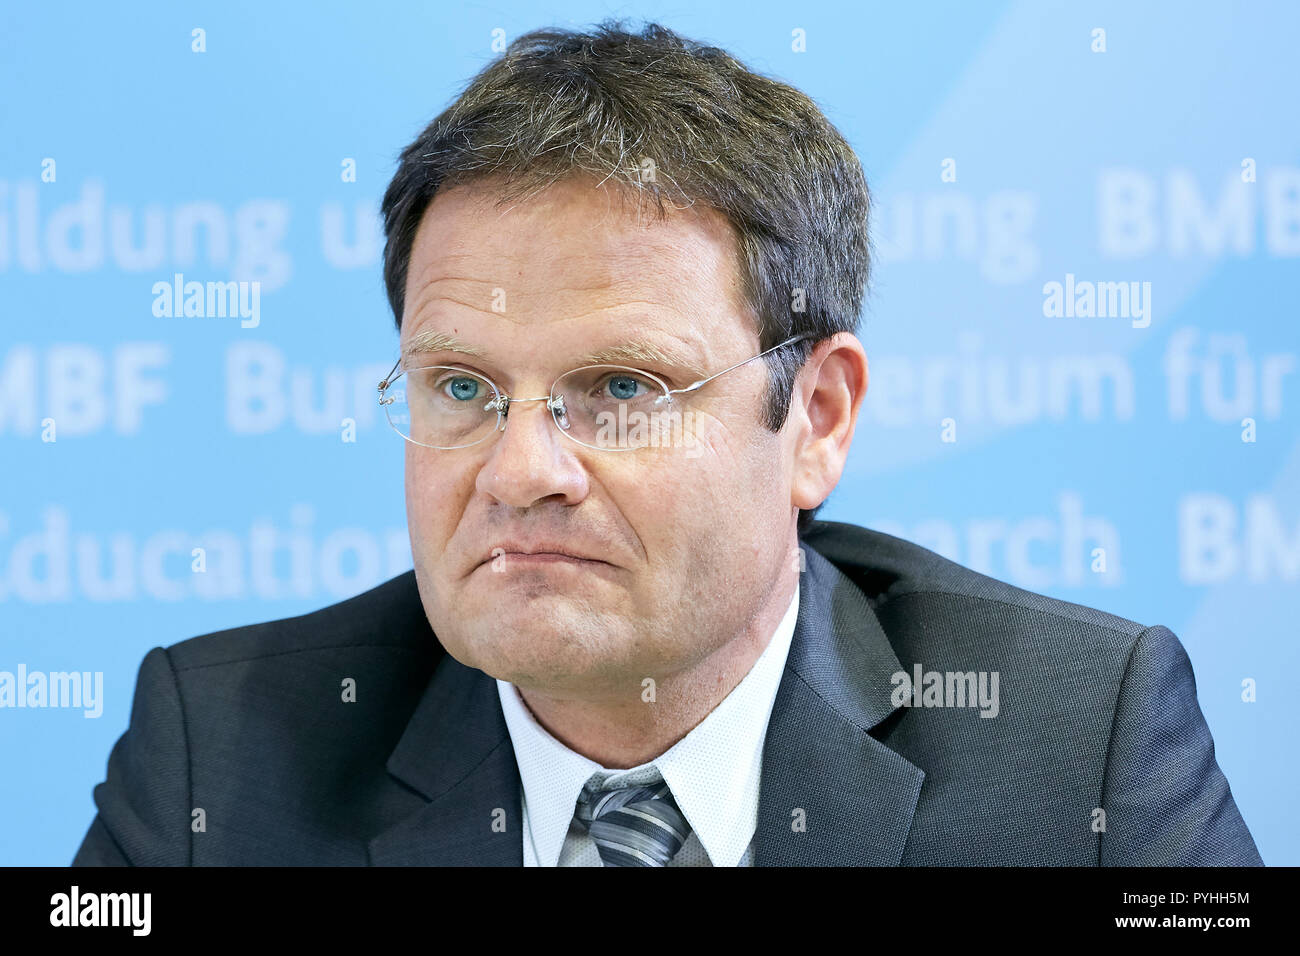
{"x":622,"y":387}
{"x":462,"y":389}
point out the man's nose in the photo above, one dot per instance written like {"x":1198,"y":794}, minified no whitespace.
{"x":531,"y":461}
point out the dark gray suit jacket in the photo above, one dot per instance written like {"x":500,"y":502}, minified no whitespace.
{"x":1096,"y":712}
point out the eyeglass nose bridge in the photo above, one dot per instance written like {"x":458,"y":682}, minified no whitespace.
{"x":503,"y":402}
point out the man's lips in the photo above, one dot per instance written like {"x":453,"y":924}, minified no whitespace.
{"x":540,"y":555}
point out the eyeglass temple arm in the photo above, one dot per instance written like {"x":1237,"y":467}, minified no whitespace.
{"x":704,"y":381}
{"x":389,"y":377}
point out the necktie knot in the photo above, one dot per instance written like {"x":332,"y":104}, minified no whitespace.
{"x":633,"y":826}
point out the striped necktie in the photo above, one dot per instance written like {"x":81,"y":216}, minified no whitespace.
{"x":633,"y":826}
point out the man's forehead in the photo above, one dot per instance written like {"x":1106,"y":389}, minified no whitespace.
{"x":483,"y":280}
{"x":569,"y":234}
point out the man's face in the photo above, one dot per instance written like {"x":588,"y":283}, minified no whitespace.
{"x":684,"y":545}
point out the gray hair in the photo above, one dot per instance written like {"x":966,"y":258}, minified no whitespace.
{"x":675,"y":121}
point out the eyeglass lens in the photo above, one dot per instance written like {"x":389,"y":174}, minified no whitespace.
{"x":605,"y":406}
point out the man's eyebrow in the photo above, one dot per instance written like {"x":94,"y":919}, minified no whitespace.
{"x":642,"y":353}
{"x":630,"y":353}
{"x":434,"y":341}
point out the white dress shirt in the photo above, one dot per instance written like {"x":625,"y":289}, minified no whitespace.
{"x":713,"y":772}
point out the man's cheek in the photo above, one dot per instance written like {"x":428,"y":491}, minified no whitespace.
{"x":418,"y":511}
{"x":693,"y":503}
{"x":708,"y":441}
{"x":426,"y":516}
{"x":693,"y":442}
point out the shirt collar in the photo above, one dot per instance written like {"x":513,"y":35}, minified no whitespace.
{"x":713,"y":772}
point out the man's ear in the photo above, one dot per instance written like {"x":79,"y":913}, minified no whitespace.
{"x":823,"y":413}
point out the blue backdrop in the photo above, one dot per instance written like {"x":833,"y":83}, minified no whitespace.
{"x":1140,"y":454}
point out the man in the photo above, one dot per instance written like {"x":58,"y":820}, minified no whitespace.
{"x":625,"y":640}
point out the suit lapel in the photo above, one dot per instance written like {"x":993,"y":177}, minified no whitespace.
{"x":832,"y":794}
{"x":456,"y":753}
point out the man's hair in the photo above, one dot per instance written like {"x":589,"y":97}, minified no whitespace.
{"x":669,"y":119}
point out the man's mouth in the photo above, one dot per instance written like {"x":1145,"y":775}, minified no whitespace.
{"x":539,"y":554}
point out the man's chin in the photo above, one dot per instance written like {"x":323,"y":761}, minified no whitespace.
{"x":545,"y":640}
{"x":545,"y":661}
